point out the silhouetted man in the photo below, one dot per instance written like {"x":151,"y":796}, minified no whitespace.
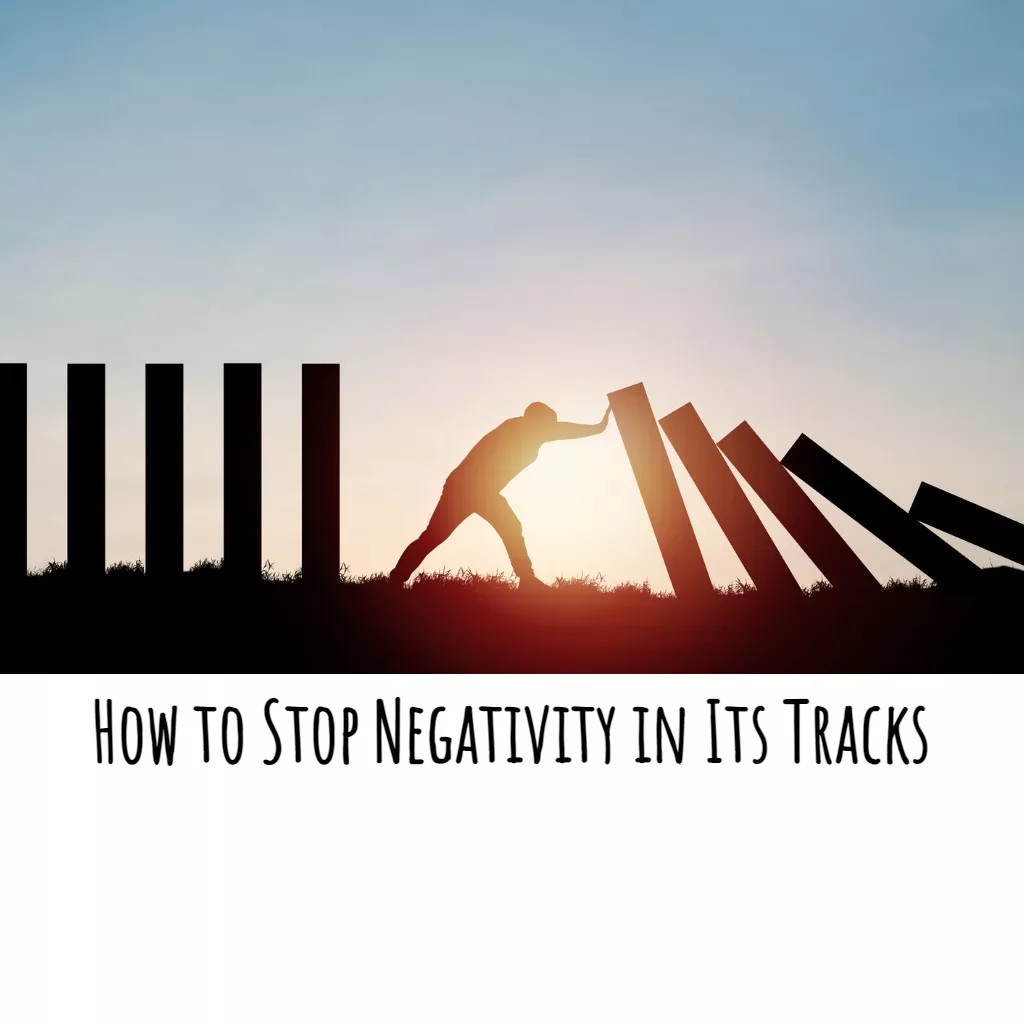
{"x":475,"y":485}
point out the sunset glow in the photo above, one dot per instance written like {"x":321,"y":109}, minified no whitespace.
{"x":480,"y":209}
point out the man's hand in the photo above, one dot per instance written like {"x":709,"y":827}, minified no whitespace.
{"x":565,"y":431}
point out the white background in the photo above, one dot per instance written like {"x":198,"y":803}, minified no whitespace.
{"x":498,"y":892}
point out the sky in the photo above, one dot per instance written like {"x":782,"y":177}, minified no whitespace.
{"x":806,"y":215}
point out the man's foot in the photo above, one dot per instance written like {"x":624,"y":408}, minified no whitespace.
{"x":532,"y":585}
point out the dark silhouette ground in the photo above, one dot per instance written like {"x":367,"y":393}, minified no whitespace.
{"x":125,"y":622}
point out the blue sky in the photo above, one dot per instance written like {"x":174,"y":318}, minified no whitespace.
{"x":808,"y":215}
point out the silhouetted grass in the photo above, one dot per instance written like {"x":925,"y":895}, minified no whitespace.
{"x":463,"y":621}
{"x":580,"y":584}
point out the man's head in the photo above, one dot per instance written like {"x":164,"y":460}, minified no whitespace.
{"x":539,"y":415}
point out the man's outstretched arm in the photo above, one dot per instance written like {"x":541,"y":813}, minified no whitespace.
{"x":568,"y":431}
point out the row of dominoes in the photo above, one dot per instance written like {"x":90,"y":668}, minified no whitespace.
{"x":706,"y":461}
{"x":773,"y":480}
{"x":164,"y":489}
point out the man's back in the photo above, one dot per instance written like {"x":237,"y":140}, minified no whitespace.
{"x":498,"y":456}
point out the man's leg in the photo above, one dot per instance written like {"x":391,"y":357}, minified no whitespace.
{"x":450,"y":512}
{"x":497,"y":511}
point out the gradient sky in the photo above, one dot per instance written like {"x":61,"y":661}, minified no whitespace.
{"x":808,"y":215}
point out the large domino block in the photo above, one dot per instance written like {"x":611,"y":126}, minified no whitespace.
{"x":804,"y":521}
{"x":321,"y":485}
{"x":877,"y":513}
{"x":87,"y":469}
{"x":660,"y":493}
{"x":970,"y":522}
{"x":14,"y":470}
{"x":165,"y":470}
{"x":243,"y":448}
{"x":720,"y":489}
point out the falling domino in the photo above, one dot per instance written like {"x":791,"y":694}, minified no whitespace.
{"x":165,"y":470}
{"x":727,"y":502}
{"x":660,"y":492}
{"x":786,"y":500}
{"x":968,"y":521}
{"x":86,"y":469}
{"x":321,"y":486}
{"x":877,"y":513}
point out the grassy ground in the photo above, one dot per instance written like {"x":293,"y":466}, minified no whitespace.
{"x":464,"y":622}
